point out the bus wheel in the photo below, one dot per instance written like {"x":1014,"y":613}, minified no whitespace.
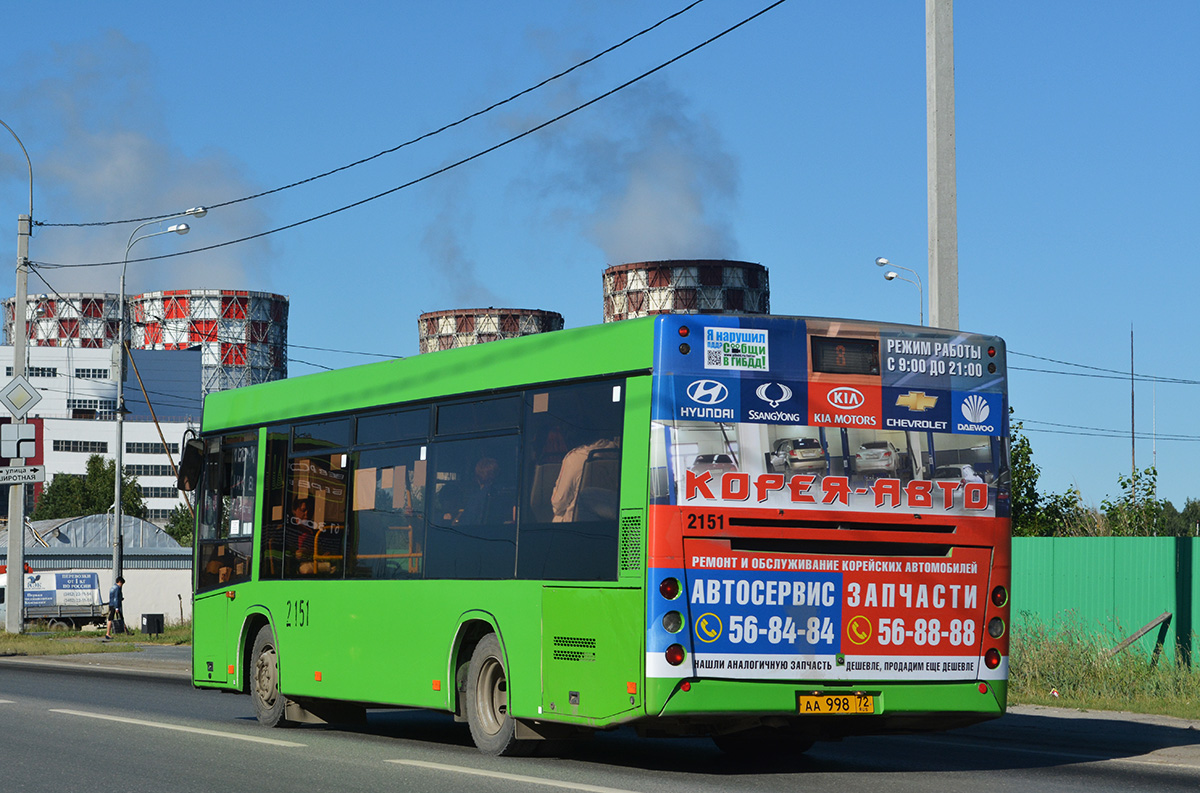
{"x":492,"y":728}
{"x":264,"y":681}
{"x":763,"y":743}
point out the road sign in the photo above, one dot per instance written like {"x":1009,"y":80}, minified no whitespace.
{"x":23,"y":475}
{"x":19,"y":396}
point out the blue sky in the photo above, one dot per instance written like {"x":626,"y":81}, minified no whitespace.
{"x":797,"y":141}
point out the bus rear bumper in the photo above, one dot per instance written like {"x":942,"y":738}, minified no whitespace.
{"x":715,"y":706}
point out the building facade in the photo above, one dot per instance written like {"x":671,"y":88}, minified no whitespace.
{"x":78,"y":410}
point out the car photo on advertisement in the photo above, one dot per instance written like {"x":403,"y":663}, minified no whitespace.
{"x":956,"y":473}
{"x":714,"y":463}
{"x":798,"y":455}
{"x":878,"y":458}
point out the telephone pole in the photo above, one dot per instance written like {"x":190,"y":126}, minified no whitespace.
{"x":13,"y":622}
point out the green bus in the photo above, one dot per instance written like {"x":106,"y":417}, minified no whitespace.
{"x":768,"y":530}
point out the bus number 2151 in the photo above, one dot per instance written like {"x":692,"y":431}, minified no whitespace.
{"x":706,"y":520}
{"x":298,"y":612}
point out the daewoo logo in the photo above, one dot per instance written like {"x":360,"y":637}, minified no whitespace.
{"x":762,"y":392}
{"x":707,"y":392}
{"x":846,"y":398}
{"x":975,"y":408}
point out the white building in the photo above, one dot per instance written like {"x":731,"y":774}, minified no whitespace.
{"x":78,"y":407}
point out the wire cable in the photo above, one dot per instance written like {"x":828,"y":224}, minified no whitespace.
{"x":439,"y":171}
{"x":417,"y":139}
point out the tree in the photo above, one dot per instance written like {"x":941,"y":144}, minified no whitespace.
{"x":1024,"y":499}
{"x":1035,"y":515}
{"x":72,"y":495}
{"x":1135,"y":513}
{"x":1173,"y":523}
{"x":181,"y":525}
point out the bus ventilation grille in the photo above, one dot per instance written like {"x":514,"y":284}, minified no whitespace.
{"x":631,"y":542}
{"x":574,"y":648}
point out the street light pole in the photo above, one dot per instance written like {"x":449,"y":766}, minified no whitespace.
{"x":891,"y":276}
{"x":13,"y":622}
{"x":119,"y":360}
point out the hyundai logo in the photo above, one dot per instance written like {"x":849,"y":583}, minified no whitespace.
{"x":846,"y":398}
{"x":707,"y":392}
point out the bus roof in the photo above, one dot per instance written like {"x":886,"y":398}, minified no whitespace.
{"x":593,"y":350}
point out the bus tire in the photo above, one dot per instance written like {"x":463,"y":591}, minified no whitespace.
{"x":492,"y":727}
{"x":269,"y":703}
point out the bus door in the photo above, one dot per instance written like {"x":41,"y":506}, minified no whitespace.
{"x":224,"y":543}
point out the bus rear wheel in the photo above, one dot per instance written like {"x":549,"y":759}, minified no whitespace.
{"x":269,"y":704}
{"x":492,"y":727}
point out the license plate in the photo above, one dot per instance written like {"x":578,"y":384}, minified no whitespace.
{"x":836,"y":704}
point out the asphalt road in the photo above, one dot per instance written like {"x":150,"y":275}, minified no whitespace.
{"x":118,"y":723}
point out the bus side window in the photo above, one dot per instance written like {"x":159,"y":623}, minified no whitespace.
{"x":473,"y":517}
{"x":227,"y":512}
{"x":572,"y":481}
{"x":271,"y":530}
{"x":387,"y":517}
{"x":315,"y":535}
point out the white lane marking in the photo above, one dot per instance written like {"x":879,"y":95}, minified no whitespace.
{"x":1145,"y":759}
{"x":533,"y":780}
{"x":178,"y":728}
{"x":6,"y":701}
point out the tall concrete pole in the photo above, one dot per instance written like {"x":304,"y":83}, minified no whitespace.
{"x":943,"y":196}
{"x":15,"y":581}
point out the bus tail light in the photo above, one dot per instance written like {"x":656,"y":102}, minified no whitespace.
{"x":675,"y":654}
{"x":999,"y":596}
{"x":991,"y":658}
{"x":995,"y":627}
{"x":669,"y":588}
{"x":672,"y":622}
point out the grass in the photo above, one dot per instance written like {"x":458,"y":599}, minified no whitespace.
{"x":39,"y":640}
{"x":1068,"y":665}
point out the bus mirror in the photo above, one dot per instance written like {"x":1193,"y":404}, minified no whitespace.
{"x":191,"y":464}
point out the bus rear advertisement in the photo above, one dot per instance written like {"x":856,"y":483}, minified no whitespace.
{"x":768,"y":530}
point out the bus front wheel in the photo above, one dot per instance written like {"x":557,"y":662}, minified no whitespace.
{"x":269,"y":704}
{"x":492,"y":727}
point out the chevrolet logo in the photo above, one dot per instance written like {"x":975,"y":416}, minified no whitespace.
{"x":916,"y":401}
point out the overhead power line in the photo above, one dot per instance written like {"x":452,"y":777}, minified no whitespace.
{"x":1112,"y":374}
{"x":439,"y":171}
{"x":406,"y":143}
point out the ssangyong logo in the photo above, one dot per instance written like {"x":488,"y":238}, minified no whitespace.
{"x":763,"y":392}
{"x":975,"y":409}
{"x":707,"y":392}
{"x":846,"y":398}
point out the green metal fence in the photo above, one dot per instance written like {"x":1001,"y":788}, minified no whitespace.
{"x":1115,"y":585}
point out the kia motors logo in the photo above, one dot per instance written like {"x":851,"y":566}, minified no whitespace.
{"x":707,"y":392}
{"x":763,"y":393}
{"x":846,"y":398}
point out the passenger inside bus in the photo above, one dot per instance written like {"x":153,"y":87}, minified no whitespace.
{"x":588,"y":483}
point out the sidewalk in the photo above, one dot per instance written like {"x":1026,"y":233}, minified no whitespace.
{"x":151,"y":659}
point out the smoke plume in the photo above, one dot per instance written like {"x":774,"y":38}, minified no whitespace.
{"x":95,"y":132}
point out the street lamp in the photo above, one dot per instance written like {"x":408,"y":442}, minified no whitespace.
{"x":119,"y":360}
{"x":892,"y":275}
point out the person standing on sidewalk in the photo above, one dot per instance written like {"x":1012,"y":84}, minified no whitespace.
{"x":116,"y":607}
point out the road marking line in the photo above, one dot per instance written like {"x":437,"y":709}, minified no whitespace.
{"x":6,"y":701}
{"x":510,"y":777}
{"x":178,"y":728}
